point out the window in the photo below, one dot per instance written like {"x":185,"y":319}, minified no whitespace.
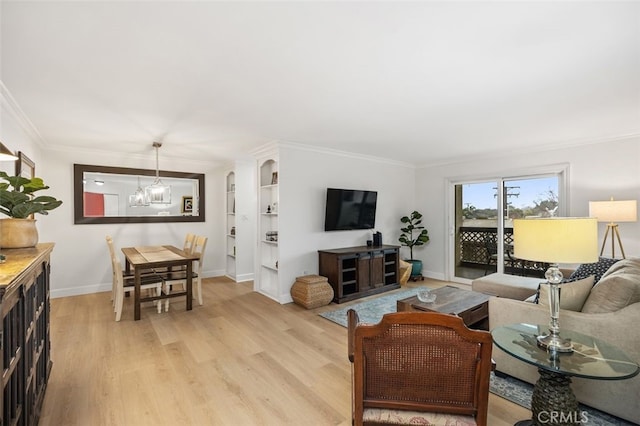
{"x":483,"y":215}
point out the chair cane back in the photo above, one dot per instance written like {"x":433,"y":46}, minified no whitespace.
{"x":419,"y":366}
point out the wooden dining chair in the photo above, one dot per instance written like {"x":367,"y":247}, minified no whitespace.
{"x":179,"y":277}
{"x":187,"y":247}
{"x":113,"y":254}
{"x":419,"y":368}
{"x":189,"y":241}
{"x":123,"y":282}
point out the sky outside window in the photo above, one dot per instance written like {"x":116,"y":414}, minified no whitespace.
{"x":529,"y":191}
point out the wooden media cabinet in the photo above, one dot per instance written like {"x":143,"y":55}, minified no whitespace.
{"x":25,"y":334}
{"x":356,"y":272}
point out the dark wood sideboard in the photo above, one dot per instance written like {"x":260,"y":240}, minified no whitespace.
{"x":356,"y":272}
{"x":26,"y":346}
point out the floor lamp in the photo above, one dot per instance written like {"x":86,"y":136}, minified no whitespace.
{"x":613,"y":212}
{"x":556,"y":240}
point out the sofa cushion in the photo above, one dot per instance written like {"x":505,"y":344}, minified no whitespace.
{"x":504,"y":285}
{"x":630,"y":266}
{"x":619,"y":288}
{"x":572,"y":294}
{"x":596,"y":269}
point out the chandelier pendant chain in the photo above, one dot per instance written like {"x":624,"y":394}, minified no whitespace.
{"x":157,"y":145}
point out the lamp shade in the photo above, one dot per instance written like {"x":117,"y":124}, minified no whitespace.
{"x":6,"y":154}
{"x":614,"y":211}
{"x":556,"y":240}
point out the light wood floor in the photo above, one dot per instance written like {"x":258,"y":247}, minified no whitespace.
{"x":241,"y":359}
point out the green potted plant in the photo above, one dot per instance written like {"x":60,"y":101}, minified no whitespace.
{"x":413,"y":235}
{"x":18,"y":202}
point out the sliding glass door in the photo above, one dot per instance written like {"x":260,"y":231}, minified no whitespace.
{"x":483,"y":213}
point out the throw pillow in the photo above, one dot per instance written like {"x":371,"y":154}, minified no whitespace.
{"x":613,"y":293}
{"x":627,"y":266}
{"x":596,"y":269}
{"x":572,"y":294}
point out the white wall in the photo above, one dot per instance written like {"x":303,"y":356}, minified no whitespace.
{"x":304,"y":176}
{"x":246,"y":216}
{"x":80,"y":259}
{"x":15,"y":133}
{"x":80,"y":262}
{"x":596,"y":172}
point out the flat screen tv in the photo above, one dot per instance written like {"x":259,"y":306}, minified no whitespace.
{"x":348,"y":209}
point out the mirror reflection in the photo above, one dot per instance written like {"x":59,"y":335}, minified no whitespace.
{"x":125,"y":195}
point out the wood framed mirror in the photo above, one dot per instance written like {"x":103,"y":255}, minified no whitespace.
{"x":25,"y":167}
{"x":104,"y":194}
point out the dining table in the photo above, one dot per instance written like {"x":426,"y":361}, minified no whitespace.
{"x":144,"y":258}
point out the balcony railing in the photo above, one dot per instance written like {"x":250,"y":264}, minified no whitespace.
{"x":477,"y":244}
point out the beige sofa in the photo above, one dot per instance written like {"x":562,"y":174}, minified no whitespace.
{"x":610,"y":313}
{"x":505,"y":285}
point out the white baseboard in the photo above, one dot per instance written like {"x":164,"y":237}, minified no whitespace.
{"x":99,"y":288}
{"x":244,"y":277}
{"x":433,"y":275}
{"x":284,"y":299}
{"x":214,"y":273}
{"x":78,"y":291}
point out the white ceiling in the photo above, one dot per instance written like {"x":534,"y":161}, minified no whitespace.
{"x":420,"y":82}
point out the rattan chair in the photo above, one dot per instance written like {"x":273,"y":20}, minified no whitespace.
{"x":419,"y":368}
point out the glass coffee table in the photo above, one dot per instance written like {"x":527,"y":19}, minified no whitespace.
{"x":552,"y":396}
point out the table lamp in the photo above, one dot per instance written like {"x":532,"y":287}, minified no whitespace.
{"x":556,"y":240}
{"x":612,"y":212}
{"x":6,"y":154}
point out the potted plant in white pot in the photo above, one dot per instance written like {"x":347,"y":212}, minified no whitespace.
{"x":18,"y":202}
{"x":413,"y":235}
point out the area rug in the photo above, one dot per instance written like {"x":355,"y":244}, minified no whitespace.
{"x":519,"y":392}
{"x":372,"y":310}
{"x":514,"y":390}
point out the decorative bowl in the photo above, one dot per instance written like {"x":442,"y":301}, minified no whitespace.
{"x":426,"y":296}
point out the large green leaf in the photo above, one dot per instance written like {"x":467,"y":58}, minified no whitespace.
{"x":17,"y":199}
{"x":413,"y":225}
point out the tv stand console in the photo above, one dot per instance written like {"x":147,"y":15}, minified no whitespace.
{"x":356,"y":272}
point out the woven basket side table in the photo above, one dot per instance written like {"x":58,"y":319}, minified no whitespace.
{"x":312,"y":291}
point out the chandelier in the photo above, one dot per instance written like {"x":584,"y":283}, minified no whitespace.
{"x":138,"y":198}
{"x":158,"y":192}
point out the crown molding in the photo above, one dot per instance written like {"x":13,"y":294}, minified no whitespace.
{"x":536,"y":148}
{"x":205,"y":164}
{"x":272,"y":147}
{"x":268,"y":148}
{"x":10,"y":104}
